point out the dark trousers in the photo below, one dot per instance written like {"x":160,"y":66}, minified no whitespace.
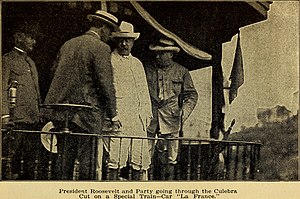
{"x":72,"y":147}
{"x":26,"y":152}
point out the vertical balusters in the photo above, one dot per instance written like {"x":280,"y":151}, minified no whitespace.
{"x":228,"y":161}
{"x":107,"y":166}
{"x":36,"y":168}
{"x":189,"y":161}
{"x":9,"y":159}
{"x":199,"y":155}
{"x":225,"y":161}
{"x":49,"y":170}
{"x":152,"y":141}
{"x":93,"y":157}
{"x":252,"y":163}
{"x":236,"y":162}
{"x":120,"y":153}
{"x":258,"y":163}
{"x":21,"y":173}
{"x":50,"y":166}
{"x":210,"y":162}
{"x":8,"y":168}
{"x":76,"y":169}
{"x":238,"y":156}
{"x":141,"y":159}
{"x":220,"y":160}
{"x":130,"y":177}
{"x":177,"y":172}
{"x":63,"y":156}
{"x":165,"y":158}
{"x":245,"y":163}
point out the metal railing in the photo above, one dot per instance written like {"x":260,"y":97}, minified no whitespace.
{"x":198,"y":159}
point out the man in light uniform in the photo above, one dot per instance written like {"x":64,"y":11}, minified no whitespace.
{"x":173,"y":98}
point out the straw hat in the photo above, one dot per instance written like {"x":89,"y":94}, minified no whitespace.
{"x":46,"y":138}
{"x":126,"y":30}
{"x":105,"y":17}
{"x":164,"y":45}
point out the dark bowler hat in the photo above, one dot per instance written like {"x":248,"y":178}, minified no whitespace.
{"x":105,"y":17}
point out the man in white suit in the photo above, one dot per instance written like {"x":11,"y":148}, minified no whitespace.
{"x":133,"y":107}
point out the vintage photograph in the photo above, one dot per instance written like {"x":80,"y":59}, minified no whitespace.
{"x":150,"y":91}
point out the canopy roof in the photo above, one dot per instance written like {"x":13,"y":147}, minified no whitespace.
{"x":203,"y":25}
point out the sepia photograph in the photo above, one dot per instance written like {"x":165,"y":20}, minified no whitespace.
{"x":149,"y":99}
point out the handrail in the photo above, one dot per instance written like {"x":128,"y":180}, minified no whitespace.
{"x":136,"y":137}
{"x":198,"y":158}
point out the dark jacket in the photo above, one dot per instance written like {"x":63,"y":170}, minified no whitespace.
{"x":17,"y":66}
{"x":83,"y":76}
{"x":179,"y":96}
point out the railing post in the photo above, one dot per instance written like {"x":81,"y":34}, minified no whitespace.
{"x":189,"y":161}
{"x":107,"y":166}
{"x":177,"y":171}
{"x":151,"y":145}
{"x":228,"y":161}
{"x":36,"y":168}
{"x":199,"y":162}
{"x":245,"y":162}
{"x":93,"y":157}
{"x":252,"y":162}
{"x":258,"y":162}
{"x":8,"y":166}
{"x":130,"y":173}
{"x":50,"y":161}
{"x":236,"y":163}
{"x":76,"y":170}
{"x":64,"y":152}
{"x":49,"y":170}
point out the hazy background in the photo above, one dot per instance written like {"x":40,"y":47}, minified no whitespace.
{"x":271,"y":66}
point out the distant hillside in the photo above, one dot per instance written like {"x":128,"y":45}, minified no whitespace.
{"x":279,"y":152}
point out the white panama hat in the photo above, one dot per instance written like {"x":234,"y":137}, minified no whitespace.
{"x":105,"y":17}
{"x":46,"y":139}
{"x":126,"y":31}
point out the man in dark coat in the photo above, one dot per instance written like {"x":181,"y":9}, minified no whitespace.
{"x":19,"y":69}
{"x":83,"y":76}
{"x":173,"y":98}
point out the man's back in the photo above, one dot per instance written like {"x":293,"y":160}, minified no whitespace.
{"x":83,"y":76}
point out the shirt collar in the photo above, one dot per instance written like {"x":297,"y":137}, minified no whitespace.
{"x":20,"y":51}
{"x":122,"y":56}
{"x":164,"y":66}
{"x":94,"y":33}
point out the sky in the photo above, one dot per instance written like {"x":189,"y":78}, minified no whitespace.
{"x":271,"y":65}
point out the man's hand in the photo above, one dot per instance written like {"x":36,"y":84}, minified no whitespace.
{"x":116,"y":124}
{"x":148,"y":120}
{"x":5,"y":119}
{"x":184,"y":118}
{"x":7,"y":122}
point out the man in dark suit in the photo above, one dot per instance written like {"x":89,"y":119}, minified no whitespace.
{"x":19,"y":71}
{"x":83,"y":76}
